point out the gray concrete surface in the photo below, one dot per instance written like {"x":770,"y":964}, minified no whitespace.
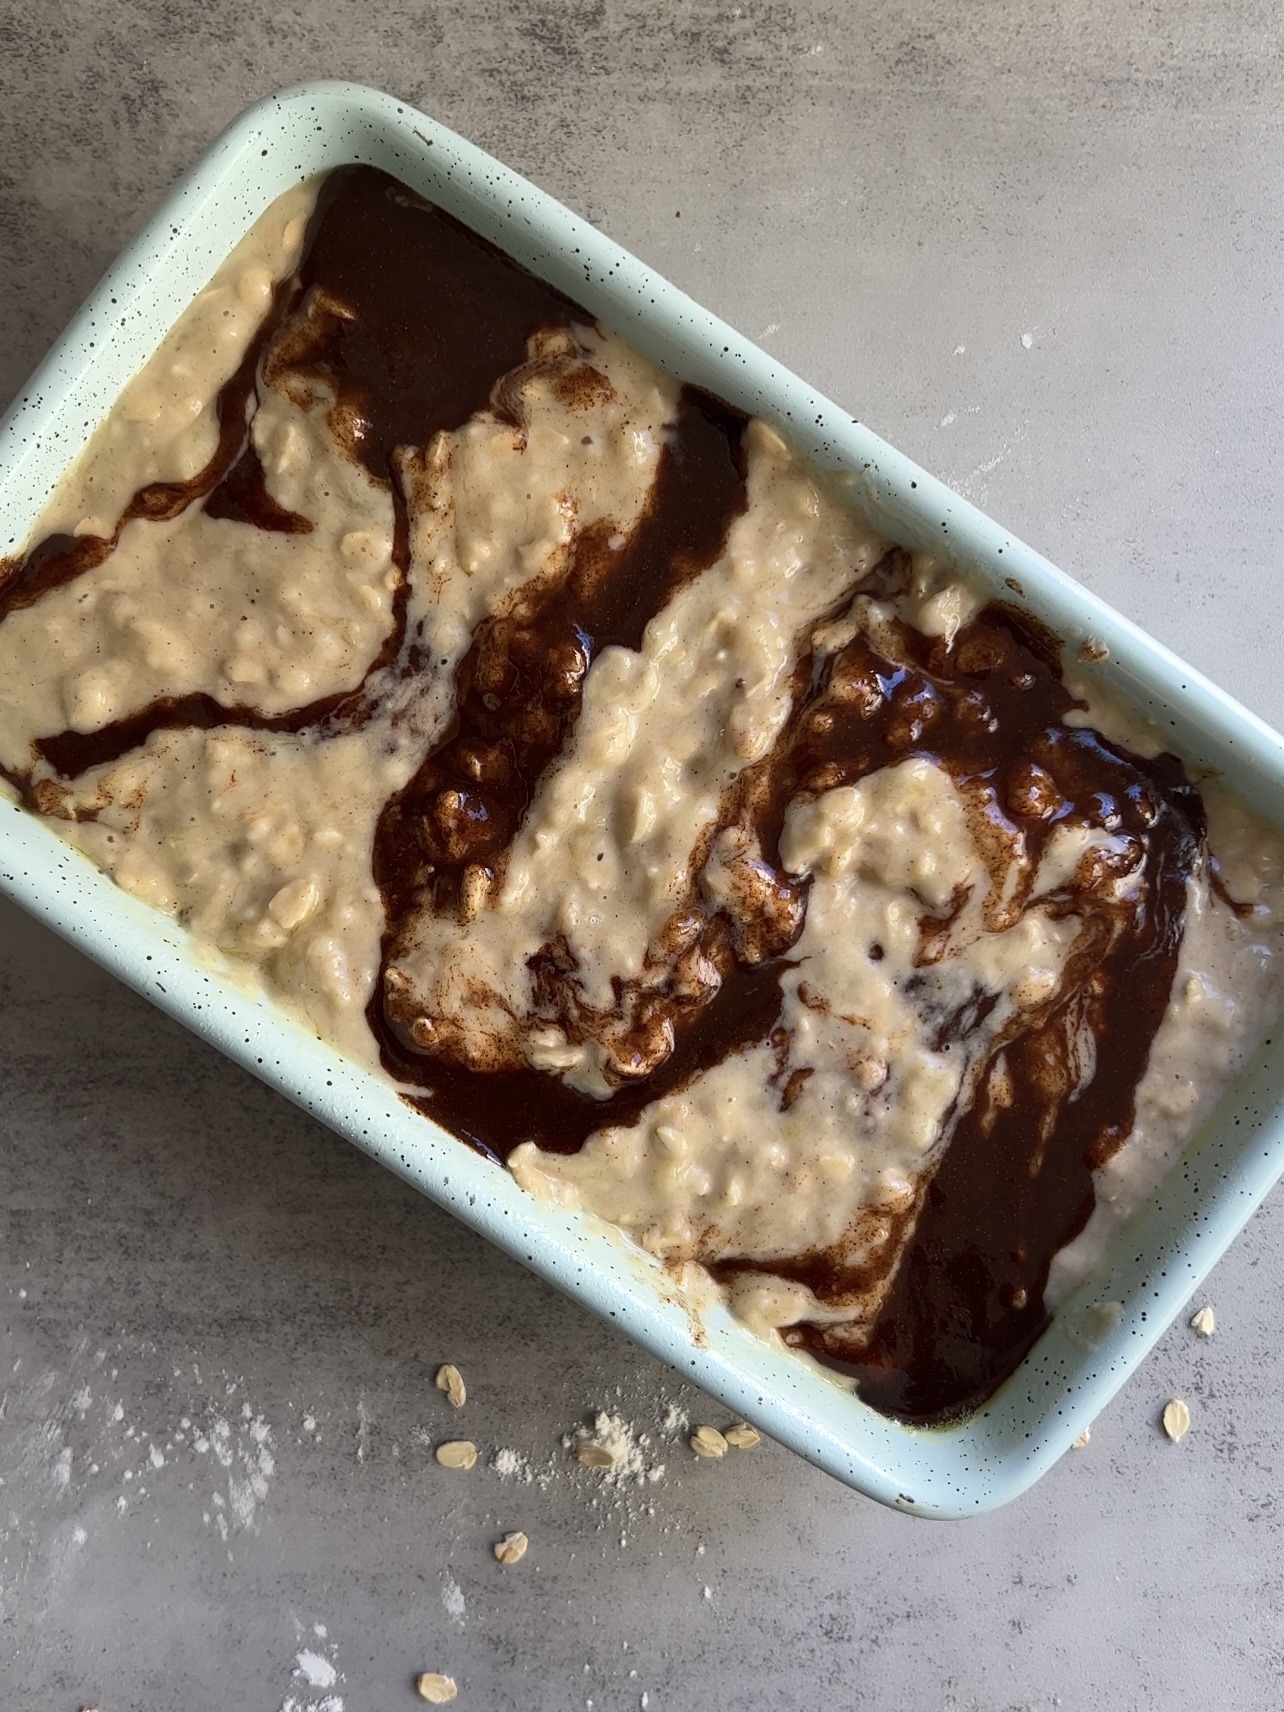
{"x":1039,"y":247}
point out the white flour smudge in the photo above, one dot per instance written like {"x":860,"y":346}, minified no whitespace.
{"x":315,"y":1669}
{"x":511,"y":1465}
{"x":247,"y":1482}
{"x":676,"y":1419}
{"x":974,"y":485}
{"x":452,"y":1597}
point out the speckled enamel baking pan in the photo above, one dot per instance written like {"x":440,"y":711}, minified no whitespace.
{"x":1085,"y":1356}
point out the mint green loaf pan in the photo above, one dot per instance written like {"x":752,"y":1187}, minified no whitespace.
{"x":1079,"y":1363}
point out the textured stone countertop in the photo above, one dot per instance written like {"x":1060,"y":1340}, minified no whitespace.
{"x":1040,"y":249}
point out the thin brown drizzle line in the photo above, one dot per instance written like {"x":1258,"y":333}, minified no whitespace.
{"x":71,"y":754}
{"x":242,"y":497}
{"x":58,"y":560}
{"x":1217,"y":885}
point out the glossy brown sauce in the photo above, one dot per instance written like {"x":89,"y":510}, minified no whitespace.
{"x":1012,"y":1182}
{"x":401,"y":318}
{"x":496,"y":1110}
{"x":518,"y":691}
{"x":405,"y":323}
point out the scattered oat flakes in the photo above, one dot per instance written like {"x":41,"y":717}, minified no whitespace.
{"x":1204,"y":1322}
{"x":451,"y":1381}
{"x":511,"y":1549}
{"x":742,"y":1436}
{"x":1176,"y":1420}
{"x":1084,"y":1440}
{"x":593,"y":1455}
{"x":457,"y":1453}
{"x":432,"y":1686}
{"x":708,"y":1442}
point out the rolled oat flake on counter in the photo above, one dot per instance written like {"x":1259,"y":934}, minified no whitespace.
{"x":435,"y":1688}
{"x":457,"y":1453}
{"x":1176,"y":1419}
{"x":708,"y":1442}
{"x":550,"y":739}
{"x":592,"y":1455}
{"x":450,"y":1380}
